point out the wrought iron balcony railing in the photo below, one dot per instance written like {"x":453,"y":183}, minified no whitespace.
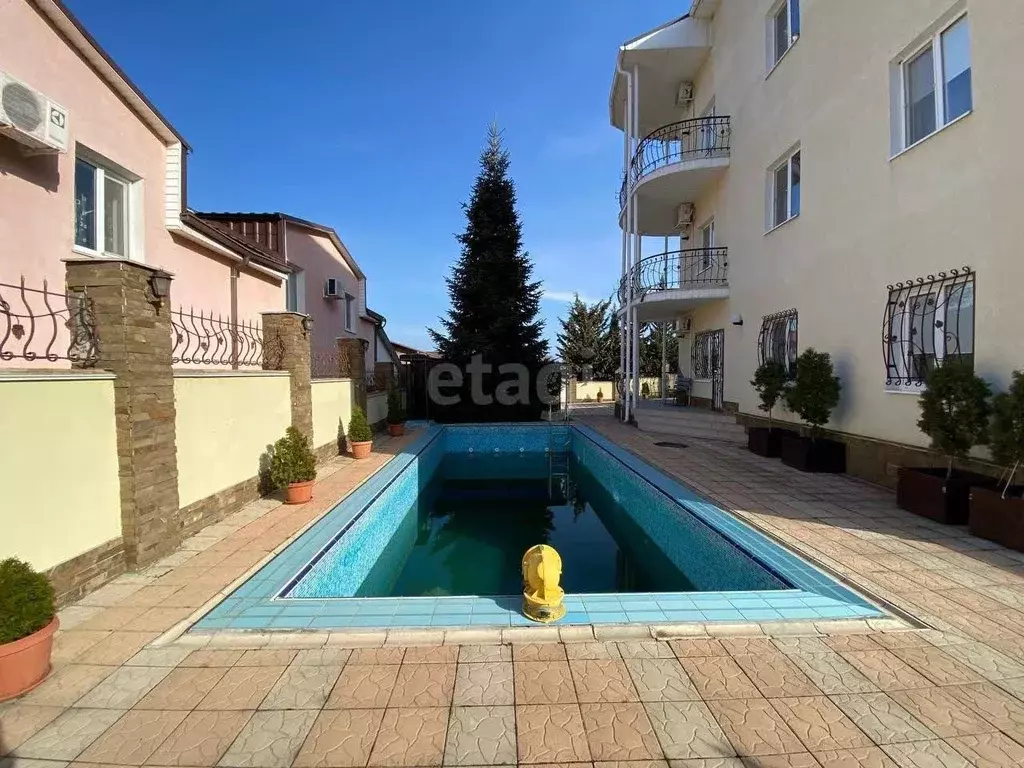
{"x":691,"y":268}
{"x":695,"y":139}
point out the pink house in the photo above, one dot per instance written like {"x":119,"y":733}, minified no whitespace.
{"x":90,"y":168}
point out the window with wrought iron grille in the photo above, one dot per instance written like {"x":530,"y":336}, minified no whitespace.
{"x":777,"y":340}
{"x":700,"y":355}
{"x":927,"y":321}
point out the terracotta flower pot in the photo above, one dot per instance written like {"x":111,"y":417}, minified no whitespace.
{"x":396,"y":430}
{"x":298,"y":493}
{"x":360,"y":450}
{"x":25,"y":663}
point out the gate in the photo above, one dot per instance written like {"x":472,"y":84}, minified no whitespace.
{"x":717,"y":359}
{"x":417,"y":369}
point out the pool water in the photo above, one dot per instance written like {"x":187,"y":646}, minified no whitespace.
{"x":468,"y":530}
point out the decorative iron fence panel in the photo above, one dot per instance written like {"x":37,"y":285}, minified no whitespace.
{"x":198,"y":338}
{"x":40,"y":325}
{"x":777,"y":340}
{"x":674,"y":270}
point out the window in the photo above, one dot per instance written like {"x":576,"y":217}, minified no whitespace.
{"x":784,"y":191}
{"x":349,"y":312}
{"x":927,"y":321}
{"x":935,"y":83}
{"x":103,"y":202}
{"x":296,"y":299}
{"x":707,"y":244}
{"x":700,"y":355}
{"x":783,"y":30}
{"x":777,"y":340}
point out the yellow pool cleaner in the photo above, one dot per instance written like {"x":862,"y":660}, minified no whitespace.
{"x":542,"y":597}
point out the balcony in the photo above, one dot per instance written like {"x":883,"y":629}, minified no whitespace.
{"x":672,"y":165}
{"x":666,"y":284}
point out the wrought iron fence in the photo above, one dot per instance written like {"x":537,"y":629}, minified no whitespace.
{"x":325,"y":363}
{"x":198,"y":338}
{"x":674,"y":270}
{"x":43,"y":325}
{"x":375,"y":382}
{"x":694,"y":139}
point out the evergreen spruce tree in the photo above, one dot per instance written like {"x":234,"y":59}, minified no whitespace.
{"x":650,"y":349}
{"x":608,"y":361}
{"x":494,"y":301}
{"x":582,"y":335}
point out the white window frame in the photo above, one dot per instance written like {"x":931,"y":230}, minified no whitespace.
{"x":787,"y":161}
{"x":349,"y":313}
{"x":791,"y":37}
{"x":707,"y":260}
{"x":901,"y":116}
{"x":134,"y":232}
{"x":297,"y":282}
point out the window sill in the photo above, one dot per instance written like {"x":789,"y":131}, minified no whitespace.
{"x":81,"y":250}
{"x":780,"y":226}
{"x":904,"y":390}
{"x":936,"y":132}
{"x":781,"y":58}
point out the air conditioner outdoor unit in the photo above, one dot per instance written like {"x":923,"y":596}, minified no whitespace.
{"x":684,"y":216}
{"x":684,"y":96}
{"x":332,"y":288}
{"x":31,"y":119}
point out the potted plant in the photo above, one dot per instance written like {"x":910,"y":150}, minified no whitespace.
{"x":360,"y":436}
{"x":954,"y":415}
{"x":998,"y":514}
{"x":812,"y":396}
{"x":293,"y":467}
{"x":27,"y":623}
{"x":645,"y":390}
{"x":770,"y":382}
{"x":600,"y":395}
{"x":396,"y":413}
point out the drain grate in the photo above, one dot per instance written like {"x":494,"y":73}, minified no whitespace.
{"x":669,"y":444}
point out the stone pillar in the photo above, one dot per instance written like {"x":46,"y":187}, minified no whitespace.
{"x":352,"y":365}
{"x":286,"y":348}
{"x":133,"y":335}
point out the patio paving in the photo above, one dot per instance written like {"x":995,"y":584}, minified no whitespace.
{"x":725,"y":696}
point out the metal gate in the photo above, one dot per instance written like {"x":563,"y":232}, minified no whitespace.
{"x":716,"y":355}
{"x":417,"y":370}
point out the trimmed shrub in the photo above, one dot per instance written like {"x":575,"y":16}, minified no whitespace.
{"x":954,"y":410}
{"x":1007,"y":430}
{"x":396,"y":411}
{"x":26,"y":600}
{"x":770,"y":382}
{"x":358,"y":429}
{"x":815,"y":391}
{"x":293,"y":460}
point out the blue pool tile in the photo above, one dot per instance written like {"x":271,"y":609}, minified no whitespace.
{"x":339,"y":608}
{"x":377,"y":609}
{"x":449,"y":619}
{"x":706,"y":604}
{"x":412,"y":620}
{"x":612,"y":617}
{"x":633,"y":606}
{"x":290,"y":622}
{"x":747,"y":603}
{"x":324,"y":622}
{"x":723,"y":615}
{"x":760,"y":614}
{"x":489,"y":619}
{"x":684,"y":616}
{"x":365,"y":621}
{"x":575,"y":617}
{"x":799,"y":613}
{"x":645,"y":616}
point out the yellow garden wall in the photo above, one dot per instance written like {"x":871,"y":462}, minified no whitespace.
{"x":376,"y":407}
{"x":585,"y":389}
{"x":332,"y":401}
{"x":59,"y":467}
{"x":225,"y":421}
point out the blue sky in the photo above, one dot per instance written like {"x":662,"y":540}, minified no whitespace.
{"x":370,"y":116}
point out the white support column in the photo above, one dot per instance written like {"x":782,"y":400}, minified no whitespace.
{"x":636,"y":357}
{"x":627,"y":144}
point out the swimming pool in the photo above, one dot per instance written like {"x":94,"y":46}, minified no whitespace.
{"x":434,"y":539}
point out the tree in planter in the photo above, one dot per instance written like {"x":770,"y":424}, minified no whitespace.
{"x":358,"y":429}
{"x":1007,"y":429}
{"x":770,"y":382}
{"x":26,"y":600}
{"x":815,"y":391}
{"x":293,"y":460}
{"x":954,"y":411}
{"x":396,"y":411}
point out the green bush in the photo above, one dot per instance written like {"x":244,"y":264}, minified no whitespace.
{"x":358,"y":430}
{"x":600,"y":394}
{"x":954,"y":410}
{"x":396,"y":411}
{"x":26,"y":600}
{"x":293,"y":460}
{"x":815,"y":391}
{"x":1007,"y":430}
{"x":770,"y":382}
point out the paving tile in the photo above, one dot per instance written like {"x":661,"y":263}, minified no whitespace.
{"x":863,"y":757}
{"x":15,"y":761}
{"x":696,"y":647}
{"x":688,"y":730}
{"x":602,"y":680}
{"x":116,"y":648}
{"x":68,"y":684}
{"x":377,"y":656}
{"x":364,"y":686}
{"x":158,"y":619}
{"x":479,"y":653}
{"x":754,"y":727}
{"x":938,"y":666}
{"x":270,"y":739}
{"x":411,"y":736}
{"x":990,"y":663}
{"x":831,"y":673}
{"x":749,"y":646}
{"x":801,"y":645}
{"x":718,"y":677}
{"x":989,"y":750}
{"x":881,"y":718}
{"x":820,"y":724}
{"x":645,"y":649}
{"x":113,"y":617}
{"x":20,"y":721}
{"x":423,"y":685}
{"x":661,"y":680}
{"x":201,"y":739}
{"x":775,"y":675}
{"x":844,"y":643}
{"x":995,"y":705}
{"x":941,"y":712}
{"x":619,"y":732}
{"x":885,"y":670}
{"x":488,"y":683}
{"x":544,"y":682}
{"x":241,"y":688}
{"x":218,"y":657}
{"x":124,"y":688}
{"x":69,"y":734}
{"x":538,"y":652}
{"x":710,"y":762}
{"x":437,"y":654}
{"x":925,"y":754}
{"x":159,"y":657}
{"x":340,"y":737}
{"x":551,"y":733}
{"x":68,"y":645}
{"x":320,"y":657}
{"x":302,"y":688}
{"x":183,"y":688}
{"x":794,"y":760}
{"x":133,"y":738}
{"x":481,"y":736}
{"x":592,"y":650}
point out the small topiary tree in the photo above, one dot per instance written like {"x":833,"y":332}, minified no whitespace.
{"x":954,"y":410}
{"x":26,"y":600}
{"x":815,"y":391}
{"x":645,"y":390}
{"x":293,"y":460}
{"x":1007,"y":430}
{"x":358,"y":429}
{"x":600,"y":395}
{"x":770,"y":382}
{"x":396,"y":411}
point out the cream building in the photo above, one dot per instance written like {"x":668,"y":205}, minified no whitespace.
{"x":846,"y":176}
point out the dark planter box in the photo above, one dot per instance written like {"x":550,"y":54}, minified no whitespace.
{"x":807,"y":455}
{"x":767,"y":442}
{"x":998,"y":519}
{"x":926,"y":492}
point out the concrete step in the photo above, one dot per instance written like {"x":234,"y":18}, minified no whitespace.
{"x":723,"y":428}
{"x":693,"y":415}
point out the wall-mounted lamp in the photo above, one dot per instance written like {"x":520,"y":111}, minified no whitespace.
{"x":736,"y":320}
{"x":307,"y":323}
{"x":159,"y":286}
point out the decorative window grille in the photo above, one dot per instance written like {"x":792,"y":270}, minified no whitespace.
{"x":700,"y":355}
{"x":927,"y":320}
{"x":777,"y":340}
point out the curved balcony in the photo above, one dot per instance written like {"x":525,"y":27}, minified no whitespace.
{"x":667,"y":283}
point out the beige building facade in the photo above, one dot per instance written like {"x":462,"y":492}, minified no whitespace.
{"x":837,"y":175}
